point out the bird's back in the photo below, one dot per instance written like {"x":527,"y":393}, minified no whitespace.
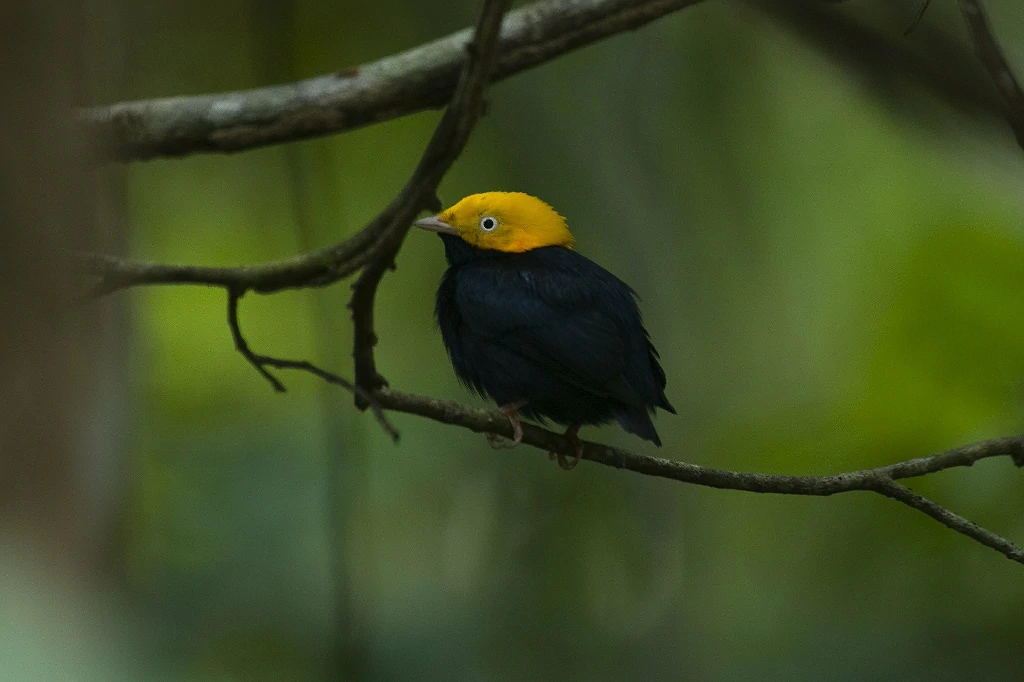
{"x":553,"y":328}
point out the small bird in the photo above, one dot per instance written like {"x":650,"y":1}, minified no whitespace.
{"x":543,"y":331}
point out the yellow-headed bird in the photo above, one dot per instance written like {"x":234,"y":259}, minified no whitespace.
{"x":537,"y":327}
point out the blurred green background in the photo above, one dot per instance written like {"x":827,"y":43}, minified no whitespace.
{"x":833,"y":273}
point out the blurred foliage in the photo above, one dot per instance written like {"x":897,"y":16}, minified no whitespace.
{"x":832,"y":284}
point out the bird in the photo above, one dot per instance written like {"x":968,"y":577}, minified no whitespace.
{"x":540,"y":329}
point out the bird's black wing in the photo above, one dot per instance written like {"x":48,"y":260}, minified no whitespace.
{"x":563,"y":319}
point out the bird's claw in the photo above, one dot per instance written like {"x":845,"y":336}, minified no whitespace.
{"x":565,"y":462}
{"x":517,"y":431}
{"x":500,"y":442}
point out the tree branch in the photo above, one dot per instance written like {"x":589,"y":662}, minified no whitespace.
{"x":421,"y":78}
{"x":917,"y":17}
{"x":991,"y":56}
{"x":901,"y":493}
{"x":261,"y":362}
{"x":530,"y":36}
{"x":880,"y":480}
{"x":942,"y":66}
{"x":243,"y":347}
{"x":444,"y":147}
{"x":374,"y":247}
{"x":317,"y":268}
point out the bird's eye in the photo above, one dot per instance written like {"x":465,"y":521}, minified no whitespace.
{"x":487,"y":223}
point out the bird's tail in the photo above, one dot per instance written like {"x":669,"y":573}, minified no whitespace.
{"x":637,"y":421}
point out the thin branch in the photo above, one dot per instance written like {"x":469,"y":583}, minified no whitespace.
{"x":991,"y":56}
{"x":445,"y":145}
{"x":903,"y":494}
{"x":242,"y":346}
{"x":917,"y":17}
{"x":421,"y":78}
{"x":492,"y":421}
{"x":880,"y":480}
{"x":317,"y":268}
{"x":261,"y":362}
{"x":935,"y":62}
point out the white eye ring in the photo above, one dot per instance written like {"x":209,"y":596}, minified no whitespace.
{"x":488,"y":223}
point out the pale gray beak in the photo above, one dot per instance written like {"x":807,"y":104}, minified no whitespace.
{"x":435,"y":224}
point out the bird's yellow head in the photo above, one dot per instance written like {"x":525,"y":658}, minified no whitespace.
{"x":502,"y":221}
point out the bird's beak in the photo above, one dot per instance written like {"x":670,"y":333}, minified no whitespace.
{"x":435,"y":224}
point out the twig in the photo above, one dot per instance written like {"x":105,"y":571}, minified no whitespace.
{"x":422,"y":78}
{"x":445,"y":145}
{"x":261,"y":362}
{"x":884,"y":65}
{"x":242,"y":347}
{"x":917,"y":17}
{"x":880,"y":480}
{"x":991,"y":56}
{"x":314,"y":269}
{"x":903,"y":494}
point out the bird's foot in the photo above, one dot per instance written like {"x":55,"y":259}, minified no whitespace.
{"x":511,"y":410}
{"x":564,"y":462}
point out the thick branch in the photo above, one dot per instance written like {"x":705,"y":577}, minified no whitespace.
{"x":422,"y":78}
{"x":529,"y":36}
{"x":990,"y":54}
{"x":880,"y":480}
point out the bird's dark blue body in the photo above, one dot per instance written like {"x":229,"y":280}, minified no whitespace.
{"x":552,"y":329}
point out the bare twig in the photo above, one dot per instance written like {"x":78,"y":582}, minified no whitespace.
{"x":942,"y":66}
{"x":445,"y":145}
{"x":242,"y":346}
{"x":261,"y":362}
{"x":422,"y":78}
{"x":880,"y":480}
{"x":917,"y":17}
{"x":903,"y":494}
{"x":990,"y":54}
{"x":317,"y":268}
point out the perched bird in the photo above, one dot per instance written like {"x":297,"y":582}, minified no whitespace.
{"x":540,"y":329}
